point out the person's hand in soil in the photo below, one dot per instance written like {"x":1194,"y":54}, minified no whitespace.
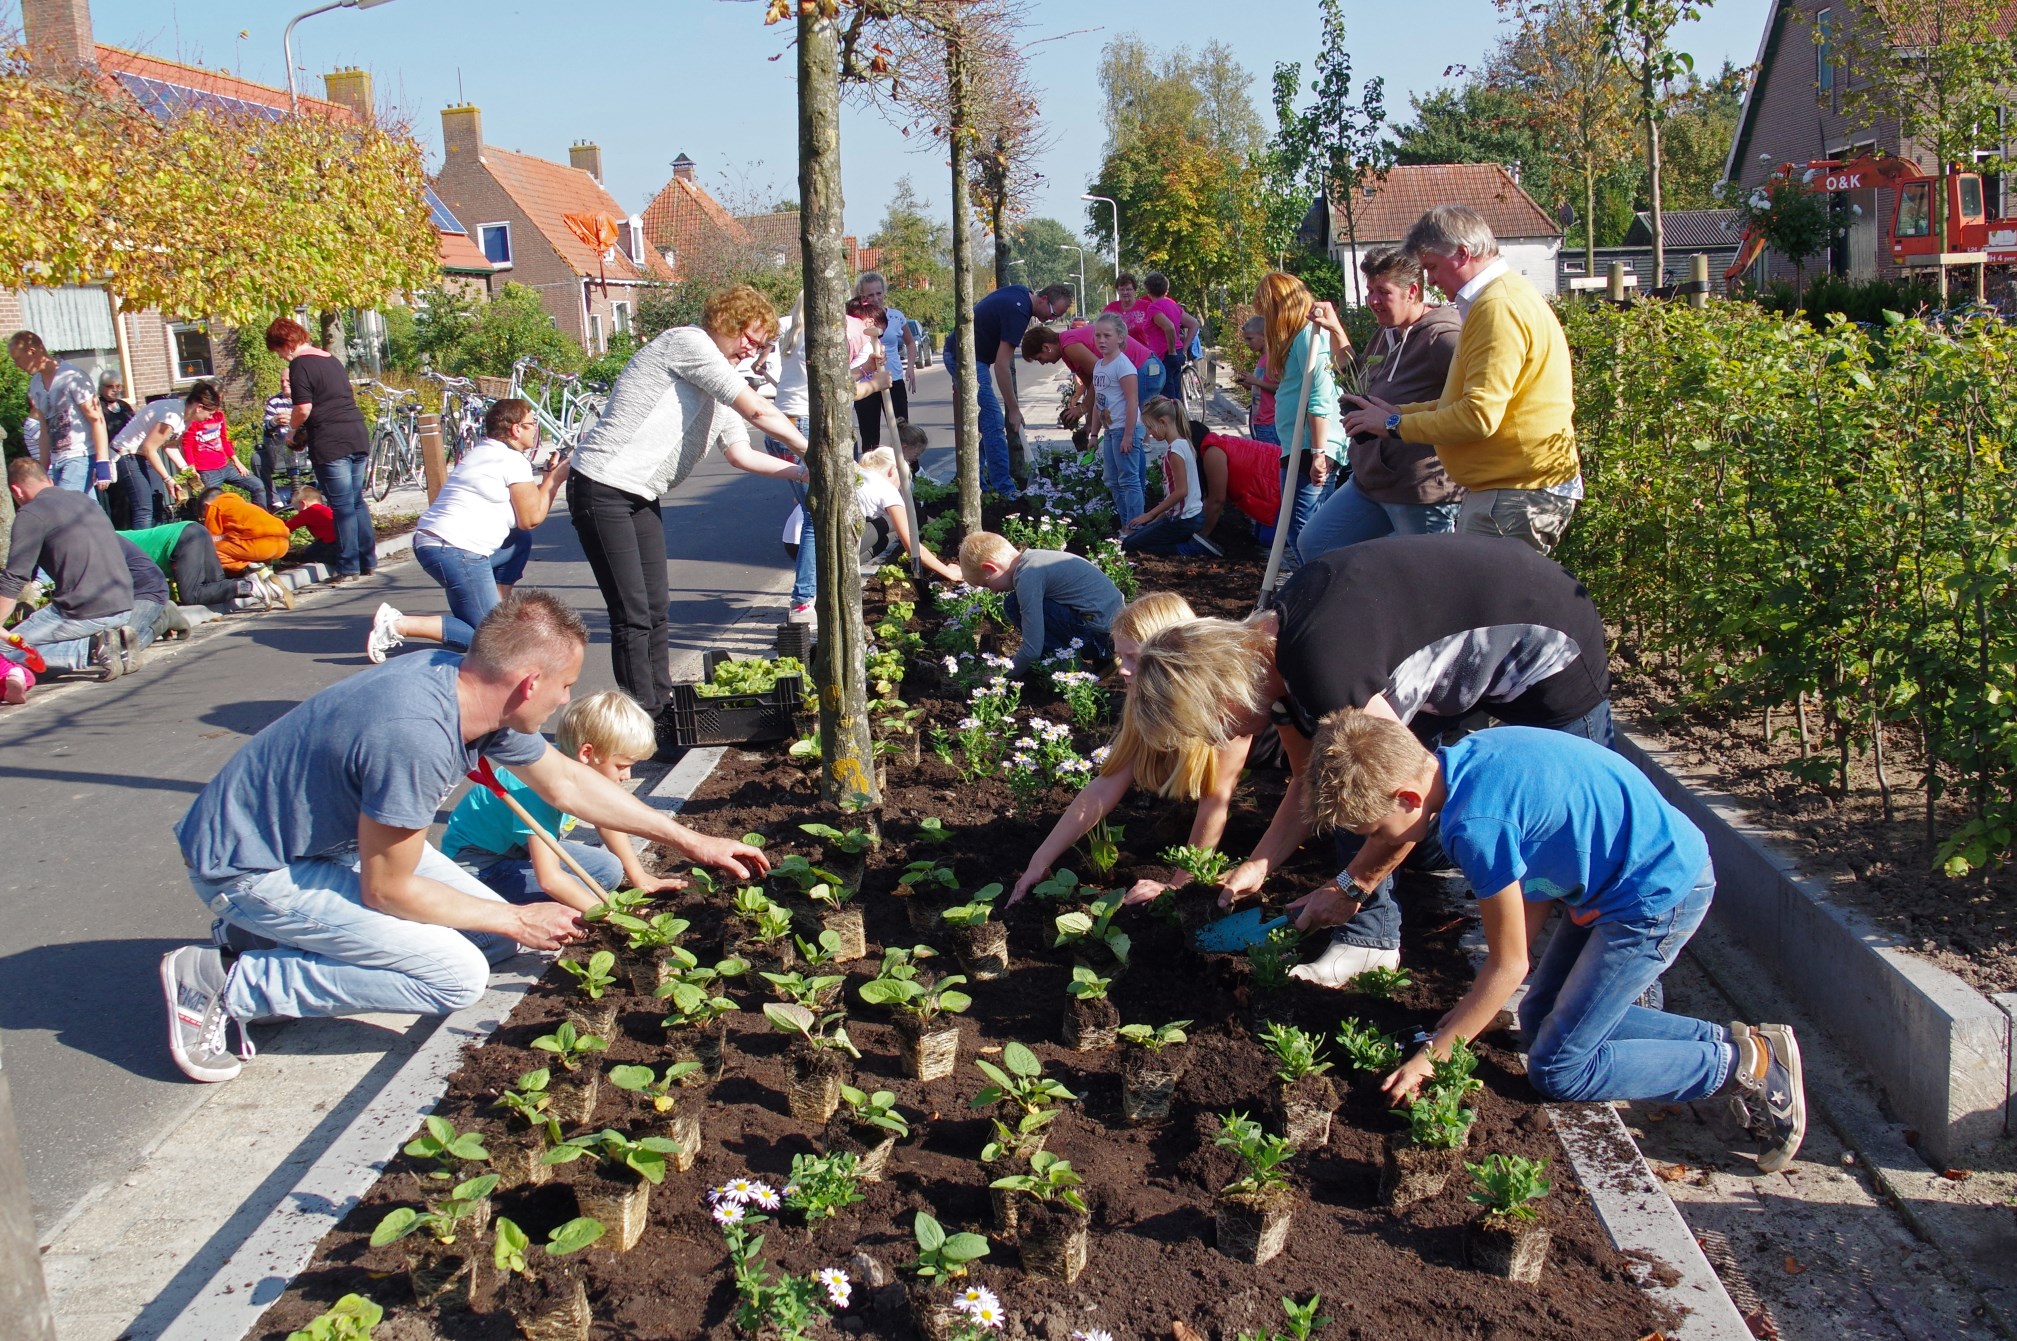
{"x":1403,"y":1083}
{"x":1327,"y":905}
{"x":1243,"y":882}
{"x":657,"y":884}
{"x":547,"y":926}
{"x":1143,"y":891}
{"x":737,"y":858}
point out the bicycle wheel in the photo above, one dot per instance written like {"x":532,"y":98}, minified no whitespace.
{"x":383,"y":468}
{"x":1193,"y":389}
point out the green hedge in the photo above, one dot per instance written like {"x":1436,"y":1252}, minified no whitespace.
{"x":1777,"y":510}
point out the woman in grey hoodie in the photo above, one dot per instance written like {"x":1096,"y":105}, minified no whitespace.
{"x":1394,"y":487}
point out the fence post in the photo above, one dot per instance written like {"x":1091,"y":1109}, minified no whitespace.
{"x":1698,"y":296}
{"x":432,"y":458}
{"x":24,"y":1301}
{"x":1617,"y":285}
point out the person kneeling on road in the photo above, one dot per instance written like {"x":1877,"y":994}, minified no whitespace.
{"x":1538,"y":818}
{"x":68,"y":536}
{"x":609,"y":733}
{"x":312,"y":841}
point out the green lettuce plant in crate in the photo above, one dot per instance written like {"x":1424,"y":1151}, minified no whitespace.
{"x":518,"y":1154}
{"x":1052,"y":1224}
{"x":551,"y":1301}
{"x":1090,"y":934}
{"x":1421,"y":1159}
{"x":758,"y":931}
{"x":1149,"y":1071}
{"x":439,"y":1241}
{"x":1254,"y":1210}
{"x":980,"y":943}
{"x":922,"y":884}
{"x":924,"y":1008}
{"x":591,"y":1008}
{"x":696,"y":1030}
{"x":1019,"y":1088}
{"x":1304,"y":1096}
{"x":652,"y":948}
{"x":573,"y":1091}
{"x":1509,"y":1240}
{"x":821,"y":899}
{"x":813,"y":1091}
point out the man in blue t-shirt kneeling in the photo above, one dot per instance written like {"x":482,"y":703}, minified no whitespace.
{"x":310,"y":846}
{"x":1535,"y":818}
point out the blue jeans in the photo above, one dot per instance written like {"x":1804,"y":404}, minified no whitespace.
{"x":72,"y":473}
{"x":65,"y":644}
{"x":142,"y":491}
{"x":512,"y":878}
{"x":1148,"y":380}
{"x":1125,"y":471}
{"x":507,"y":565}
{"x":994,"y":451}
{"x":1268,"y":433}
{"x":1061,"y":625}
{"x":1309,"y":497}
{"x":805,"y":576}
{"x":1165,"y":535}
{"x":233,"y":473}
{"x":471,"y":588}
{"x":342,"y":485}
{"x":1588,"y":1042}
{"x":334,"y":956}
{"x":145,"y":615}
{"x":783,"y":453}
{"x":1348,"y":517}
{"x":1173,"y":376}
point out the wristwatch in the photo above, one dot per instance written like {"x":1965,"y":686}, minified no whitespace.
{"x":1393,"y":424}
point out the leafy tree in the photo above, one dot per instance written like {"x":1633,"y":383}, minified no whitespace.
{"x":465,"y":339}
{"x":1943,"y":69}
{"x":1637,"y":36}
{"x":1334,"y":145}
{"x":916,"y":258}
{"x":1794,"y":219}
{"x":1701,"y":122}
{"x":1044,"y":246}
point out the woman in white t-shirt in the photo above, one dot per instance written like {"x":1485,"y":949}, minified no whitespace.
{"x":1168,"y":527}
{"x":491,"y":490}
{"x":881,"y":502}
{"x":1117,"y":416}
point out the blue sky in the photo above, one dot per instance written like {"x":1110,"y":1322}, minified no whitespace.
{"x":650,"y":79}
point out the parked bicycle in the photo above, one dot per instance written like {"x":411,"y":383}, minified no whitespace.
{"x":565,"y":406}
{"x":395,"y":460}
{"x":462,"y":410}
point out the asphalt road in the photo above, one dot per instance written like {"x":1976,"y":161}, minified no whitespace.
{"x":97,"y":776}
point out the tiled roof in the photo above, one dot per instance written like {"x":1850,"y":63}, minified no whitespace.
{"x":1410,"y":189}
{"x":776,"y":232}
{"x":458,"y":252}
{"x":1688,"y":228}
{"x":168,"y":88}
{"x":684,"y":217}
{"x":547,"y":192}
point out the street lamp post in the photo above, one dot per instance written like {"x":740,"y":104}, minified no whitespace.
{"x":1117,"y":226}
{"x":1081,"y":276}
{"x":287,"y":40}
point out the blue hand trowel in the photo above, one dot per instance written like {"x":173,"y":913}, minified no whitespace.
{"x":1234,"y":933}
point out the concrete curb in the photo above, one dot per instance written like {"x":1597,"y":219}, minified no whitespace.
{"x":1644,"y":1223}
{"x":277,"y":1250}
{"x":1941,"y":1050}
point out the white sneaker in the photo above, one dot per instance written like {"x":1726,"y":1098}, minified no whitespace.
{"x":383,"y":637}
{"x":276,"y":590}
{"x":1341,"y":963}
{"x":802,"y":614}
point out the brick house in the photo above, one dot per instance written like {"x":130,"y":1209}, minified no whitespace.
{"x":692,"y":233}
{"x":1795,"y":112}
{"x":775,"y":236}
{"x":1528,"y":237}
{"x":163,"y":354}
{"x":517,"y":209}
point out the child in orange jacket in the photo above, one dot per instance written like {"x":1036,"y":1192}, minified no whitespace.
{"x":248,"y":538}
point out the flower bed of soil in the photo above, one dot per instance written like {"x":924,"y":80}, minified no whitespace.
{"x":1883,"y":868}
{"x":1385,"y":1275}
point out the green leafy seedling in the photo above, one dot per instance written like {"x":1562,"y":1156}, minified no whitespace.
{"x":1509,"y":1185}
{"x":852,"y":841}
{"x":874,"y":1110}
{"x":643,"y":1080}
{"x":1049,"y":1179}
{"x":645,"y":1158}
{"x":509,"y":1250}
{"x":821,"y":1184}
{"x":1103,"y":849}
{"x":1019,"y":1081}
{"x":975,"y":910}
{"x":1300,"y":1052}
{"x":1272,"y":958}
{"x":569,"y":1045}
{"x":595,"y":977}
{"x":1063,"y":884}
{"x":441,"y":1218}
{"x":631,"y":902}
{"x":659,"y":932}
{"x":447,"y":1147}
{"x":932,"y":829}
{"x":1303,"y":1322}
{"x":823,"y":1031}
{"x":1366,"y":1048}
{"x":925,"y":875}
{"x":941,"y":1255}
{"x":350,"y":1318}
{"x":1260,"y":1152}
{"x":1438,"y":1120}
{"x":1381,"y":982}
{"x":1453,"y":1074}
{"x":1156,"y":1037}
{"x":1087,"y":985}
{"x":1204,"y":865}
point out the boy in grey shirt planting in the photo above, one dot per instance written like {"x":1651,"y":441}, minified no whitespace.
{"x":1056,"y":598}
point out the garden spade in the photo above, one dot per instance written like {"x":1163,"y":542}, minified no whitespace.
{"x":486,"y":777}
{"x":1238,"y":931}
{"x":29,"y":656}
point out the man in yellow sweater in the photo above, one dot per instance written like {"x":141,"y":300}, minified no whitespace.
{"x":1504,"y":427}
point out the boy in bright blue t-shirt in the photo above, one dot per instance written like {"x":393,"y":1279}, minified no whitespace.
{"x":1535,"y":818}
{"x":609,"y":732}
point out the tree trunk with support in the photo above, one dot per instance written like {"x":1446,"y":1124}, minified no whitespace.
{"x":1653,"y":186}
{"x":966,"y":378}
{"x":848,"y":774}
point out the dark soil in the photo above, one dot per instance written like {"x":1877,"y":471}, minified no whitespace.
{"x":1885,"y":869}
{"x":1384,"y":1277}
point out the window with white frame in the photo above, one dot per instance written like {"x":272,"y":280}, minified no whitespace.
{"x":193,"y":356}
{"x":633,"y":239}
{"x":595,"y":345}
{"x":620,"y":316}
{"x":495,"y":239}
{"x":1824,"y":53}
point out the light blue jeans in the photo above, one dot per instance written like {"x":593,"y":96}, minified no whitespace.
{"x":1587,"y":1042}
{"x":512,"y":877}
{"x":1348,"y":517}
{"x":72,"y":473}
{"x":469,"y":581}
{"x":1125,"y":471}
{"x":65,"y":644}
{"x":334,"y":956}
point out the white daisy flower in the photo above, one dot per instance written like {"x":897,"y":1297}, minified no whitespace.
{"x":738,"y":1189}
{"x":1095,"y":1334}
{"x":988,"y":1314}
{"x":763,"y":1196}
{"x":728,"y":1213}
{"x":835,"y":1282}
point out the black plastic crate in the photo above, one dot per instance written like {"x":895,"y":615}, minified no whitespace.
{"x":795,"y":640}
{"x":732,"y":719}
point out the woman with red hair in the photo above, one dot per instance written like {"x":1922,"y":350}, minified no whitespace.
{"x":327,"y":424}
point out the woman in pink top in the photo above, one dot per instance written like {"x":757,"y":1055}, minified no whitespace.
{"x":1127,"y":303}
{"x":1167,"y":331}
{"x":1077,"y":350}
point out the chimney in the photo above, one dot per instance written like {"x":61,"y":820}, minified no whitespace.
{"x":58,"y":32}
{"x":348,"y":86}
{"x":682,"y":168}
{"x":587,"y":157}
{"x":461,"y":135}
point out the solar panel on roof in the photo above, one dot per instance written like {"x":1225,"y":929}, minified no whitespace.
{"x":444,"y":218}
{"x":165,"y":101}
